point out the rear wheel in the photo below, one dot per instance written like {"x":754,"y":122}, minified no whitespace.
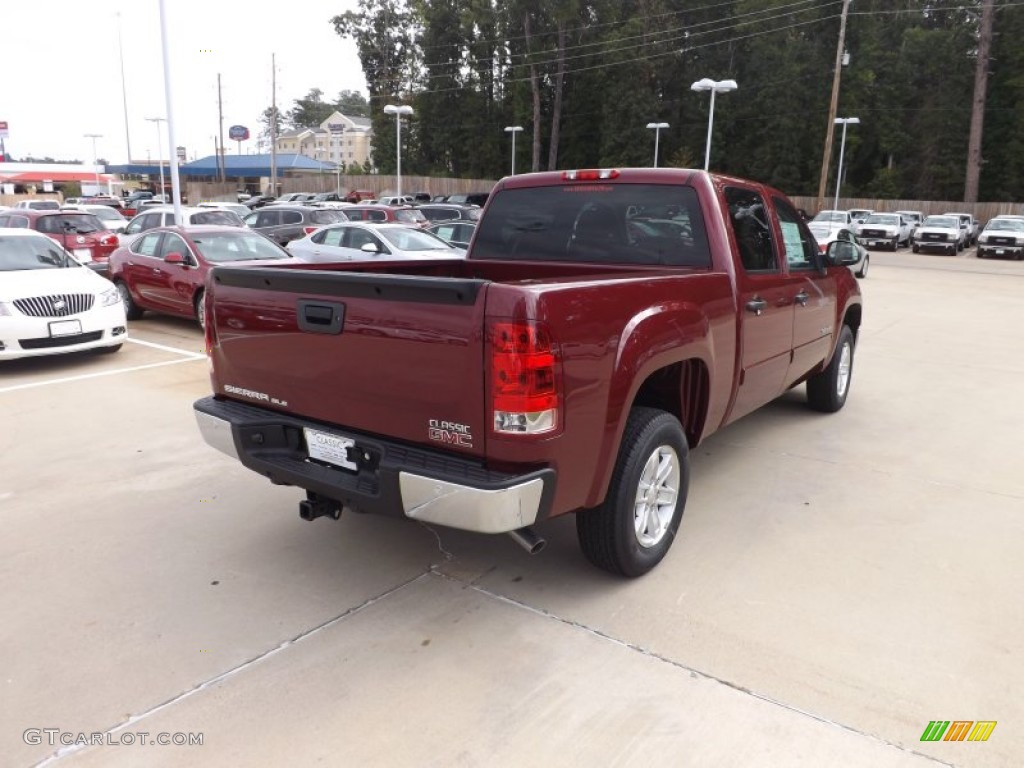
{"x":132,"y":311}
{"x":632,"y":531}
{"x":827,"y":391}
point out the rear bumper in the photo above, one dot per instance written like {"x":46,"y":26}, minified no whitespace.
{"x":392,"y":478}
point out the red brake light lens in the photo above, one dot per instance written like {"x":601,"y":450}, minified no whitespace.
{"x":596,"y":174}
{"x":310,"y":230}
{"x":524,"y":372}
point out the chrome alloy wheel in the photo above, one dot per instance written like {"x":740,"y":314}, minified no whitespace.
{"x":843,"y":375}
{"x":656,"y":496}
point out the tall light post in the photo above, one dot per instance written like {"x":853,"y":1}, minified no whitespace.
{"x":398,"y":111}
{"x":159,"y":148}
{"x":844,"y":121}
{"x":95,"y":165}
{"x":124,"y":91}
{"x":513,"y":129}
{"x":715,"y":86}
{"x":657,"y":133}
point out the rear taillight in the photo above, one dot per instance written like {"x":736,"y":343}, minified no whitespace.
{"x":109,"y":241}
{"x":310,"y":230}
{"x":524,"y":378}
{"x":209,"y":332}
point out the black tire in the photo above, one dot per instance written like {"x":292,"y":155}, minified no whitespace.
{"x":199,"y":309}
{"x":608,"y":533}
{"x":895,"y":245}
{"x":863,"y":268}
{"x":915,"y":248}
{"x":827,"y":391}
{"x":132,"y":311}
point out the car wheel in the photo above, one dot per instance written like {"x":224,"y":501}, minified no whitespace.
{"x":895,"y":244}
{"x":132,"y":311}
{"x":199,"y":307}
{"x":915,"y":248}
{"x":632,"y":531}
{"x":980,"y":254}
{"x":864,"y":268}
{"x":827,"y":391}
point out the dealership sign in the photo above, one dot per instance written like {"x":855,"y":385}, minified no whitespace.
{"x":238,"y":133}
{"x":336,"y":127}
{"x":3,"y":129}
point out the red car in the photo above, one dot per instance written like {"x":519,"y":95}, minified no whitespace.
{"x":81,"y":233}
{"x":164,"y":269}
{"x":398,"y":214}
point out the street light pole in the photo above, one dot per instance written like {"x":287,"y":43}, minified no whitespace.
{"x":159,"y":149}
{"x":398,"y":111}
{"x":657,"y":133}
{"x":844,"y":121}
{"x":95,"y":165}
{"x":715,"y":86}
{"x":124,"y":91}
{"x":513,"y":129}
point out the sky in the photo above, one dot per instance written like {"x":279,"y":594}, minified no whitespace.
{"x":62,"y":72}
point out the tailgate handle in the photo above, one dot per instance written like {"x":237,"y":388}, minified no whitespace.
{"x":321,"y":316}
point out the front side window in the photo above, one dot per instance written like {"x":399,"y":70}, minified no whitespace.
{"x":752,"y":229}
{"x":800,"y":246}
{"x":146,"y":245}
{"x":174,"y":244}
{"x":222,"y":218}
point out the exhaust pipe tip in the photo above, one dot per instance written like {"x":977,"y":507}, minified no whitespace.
{"x":528,"y":539}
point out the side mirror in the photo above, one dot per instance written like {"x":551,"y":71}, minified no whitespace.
{"x":370,"y":248}
{"x":175,"y":258}
{"x":841,"y":253}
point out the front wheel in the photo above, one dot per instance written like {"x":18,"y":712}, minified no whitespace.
{"x":200,"y":309}
{"x":827,"y":391}
{"x":132,"y":311}
{"x":632,"y":531}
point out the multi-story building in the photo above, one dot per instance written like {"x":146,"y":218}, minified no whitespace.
{"x":338,"y":139}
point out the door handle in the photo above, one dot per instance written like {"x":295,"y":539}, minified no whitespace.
{"x":757,"y":306}
{"x":801,"y":298}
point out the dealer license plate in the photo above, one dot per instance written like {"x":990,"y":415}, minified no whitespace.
{"x":332,"y":449}
{"x":65,"y":327}
{"x":83,"y":254}
{"x":1000,"y":251}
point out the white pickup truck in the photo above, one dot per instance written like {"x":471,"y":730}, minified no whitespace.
{"x":885,"y":230}
{"x":970,"y":226}
{"x":939,"y":233}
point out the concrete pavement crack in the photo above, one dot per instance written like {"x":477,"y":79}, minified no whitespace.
{"x":64,"y":752}
{"x":696,"y":673}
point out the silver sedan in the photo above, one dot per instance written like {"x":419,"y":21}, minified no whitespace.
{"x":353,"y":241}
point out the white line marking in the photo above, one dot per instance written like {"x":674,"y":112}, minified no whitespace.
{"x":97,"y":375}
{"x":165,"y":348}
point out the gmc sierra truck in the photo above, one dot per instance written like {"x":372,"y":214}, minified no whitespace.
{"x":603,"y":323}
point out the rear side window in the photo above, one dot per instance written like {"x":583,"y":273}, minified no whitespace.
{"x":327,"y":217}
{"x":291,"y":217}
{"x":376,"y":215}
{"x":603,"y":223}
{"x":225,"y":218}
{"x":752,"y":229}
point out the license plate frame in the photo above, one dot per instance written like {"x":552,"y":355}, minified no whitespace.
{"x":329,"y":448}
{"x":82,"y":254}
{"x":65,"y":328}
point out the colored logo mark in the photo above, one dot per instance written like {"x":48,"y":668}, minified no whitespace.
{"x":958,"y":730}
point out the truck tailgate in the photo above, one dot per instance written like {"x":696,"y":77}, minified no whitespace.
{"x":401,"y":356}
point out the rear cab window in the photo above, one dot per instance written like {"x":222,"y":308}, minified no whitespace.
{"x":642,"y":224}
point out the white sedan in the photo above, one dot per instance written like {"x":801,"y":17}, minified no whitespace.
{"x":351,"y":241}
{"x":50,"y":303}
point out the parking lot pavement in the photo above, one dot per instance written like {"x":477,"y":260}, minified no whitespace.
{"x":839,"y":581}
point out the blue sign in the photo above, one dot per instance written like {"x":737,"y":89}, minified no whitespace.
{"x":238,"y":133}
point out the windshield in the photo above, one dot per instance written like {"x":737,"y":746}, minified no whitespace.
{"x":837,"y":216}
{"x":219,"y":247}
{"x":604,"y":223}
{"x":881,"y":218}
{"x":74,"y":223}
{"x":106,"y":213}
{"x":413,"y":240}
{"x":1008,"y":225}
{"x":36,"y":252}
{"x":223,"y":218}
{"x":406,"y":215}
{"x":819,"y":228}
{"x":941,"y":221}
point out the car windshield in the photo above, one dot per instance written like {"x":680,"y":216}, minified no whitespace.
{"x":882,"y":218}
{"x":219,"y":247}
{"x":219,"y":218}
{"x":839,"y":216}
{"x":941,"y":221}
{"x":819,"y":228}
{"x":75,"y":223}
{"x":106,"y":213}
{"x":413,"y":239}
{"x":408,"y":215}
{"x":1008,"y":225}
{"x":36,"y":252}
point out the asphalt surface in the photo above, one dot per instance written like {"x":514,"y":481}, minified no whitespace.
{"x":839,"y":581}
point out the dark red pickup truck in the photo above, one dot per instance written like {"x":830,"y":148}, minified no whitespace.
{"x":603,"y":323}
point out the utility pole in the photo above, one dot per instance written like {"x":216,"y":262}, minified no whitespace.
{"x":978,"y":107}
{"x":273,"y":125}
{"x":833,"y":106}
{"x":221,"y":160}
